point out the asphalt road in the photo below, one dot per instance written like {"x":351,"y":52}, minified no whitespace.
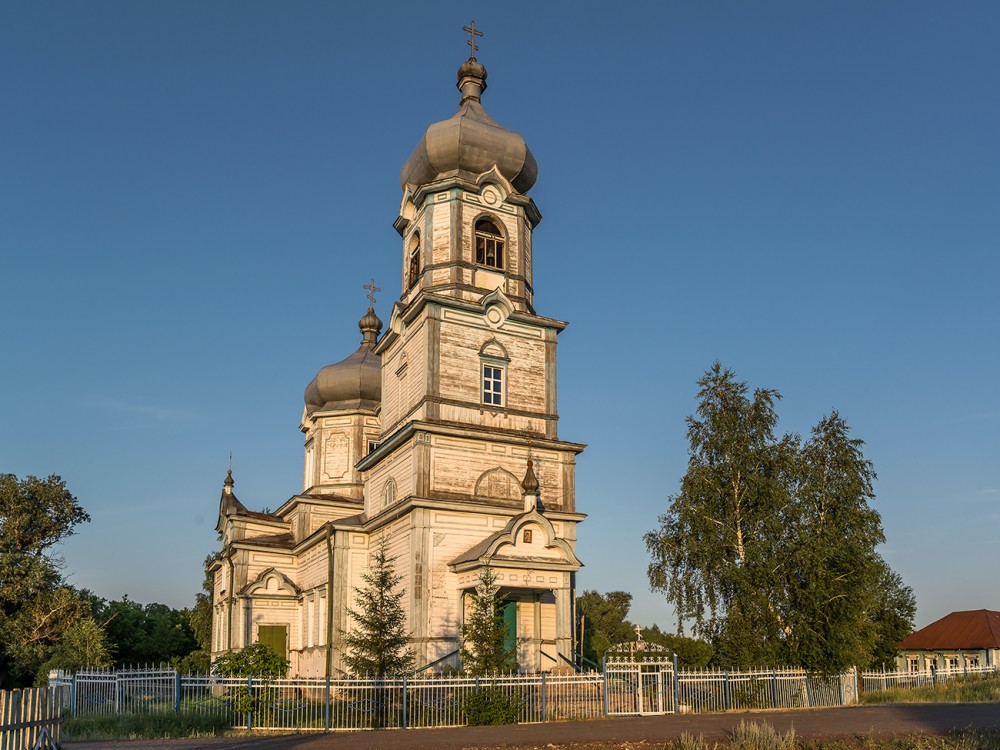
{"x":931,"y":719}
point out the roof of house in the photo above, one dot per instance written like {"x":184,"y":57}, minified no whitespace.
{"x":977,"y":628}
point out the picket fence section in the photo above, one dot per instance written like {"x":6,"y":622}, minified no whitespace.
{"x":30,"y":718}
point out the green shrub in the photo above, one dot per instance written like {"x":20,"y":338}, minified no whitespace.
{"x":143,"y":727}
{"x":487,"y":706}
{"x":257,"y":659}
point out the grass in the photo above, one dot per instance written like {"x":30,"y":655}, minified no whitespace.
{"x":143,"y":727}
{"x":762,"y":736}
{"x":958,"y":690}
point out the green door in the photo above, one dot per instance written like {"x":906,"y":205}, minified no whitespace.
{"x":510,"y":620}
{"x":275,"y":637}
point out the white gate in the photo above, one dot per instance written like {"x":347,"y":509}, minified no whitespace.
{"x":639,"y":679}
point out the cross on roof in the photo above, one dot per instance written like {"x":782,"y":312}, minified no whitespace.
{"x":473,"y":33}
{"x":370,"y":286}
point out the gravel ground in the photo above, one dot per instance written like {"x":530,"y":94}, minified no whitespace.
{"x":854,"y":721}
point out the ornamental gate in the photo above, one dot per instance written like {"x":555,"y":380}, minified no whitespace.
{"x":639,"y":679}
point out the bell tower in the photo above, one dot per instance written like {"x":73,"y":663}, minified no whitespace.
{"x":468,"y":392}
{"x":465,"y":218}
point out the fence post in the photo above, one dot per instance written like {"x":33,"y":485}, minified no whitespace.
{"x":72,"y":696}
{"x":809,"y":700}
{"x":404,"y":701}
{"x":326,"y":725}
{"x":840,"y":687}
{"x":249,"y":702}
{"x":604,"y":674}
{"x":545,"y":713}
{"x":677,"y":686}
{"x":177,"y":692}
{"x":728,"y":692}
{"x":774,"y":686}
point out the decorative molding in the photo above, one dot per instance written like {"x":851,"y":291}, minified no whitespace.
{"x":498,"y":483}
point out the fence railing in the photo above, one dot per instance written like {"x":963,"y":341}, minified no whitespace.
{"x":323,"y":705}
{"x":30,"y":718}
{"x":719,"y":690}
{"x":872,"y":682}
{"x":305,"y":704}
{"x":308,"y":704}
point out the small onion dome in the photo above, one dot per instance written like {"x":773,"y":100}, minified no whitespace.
{"x":354,"y":383}
{"x":530,"y":482}
{"x":470,"y":143}
{"x":229,"y":482}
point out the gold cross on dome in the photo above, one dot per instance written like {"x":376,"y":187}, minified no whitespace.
{"x":473,"y":33}
{"x":370,"y":286}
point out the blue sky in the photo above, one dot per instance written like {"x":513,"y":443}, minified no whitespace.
{"x":192,"y":194}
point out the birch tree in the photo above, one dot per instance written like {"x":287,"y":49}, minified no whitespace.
{"x":769,"y":548}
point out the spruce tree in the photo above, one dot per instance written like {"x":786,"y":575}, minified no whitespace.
{"x":485,"y":633}
{"x":378,"y":646}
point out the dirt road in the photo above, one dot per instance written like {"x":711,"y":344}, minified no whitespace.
{"x":935,"y":719}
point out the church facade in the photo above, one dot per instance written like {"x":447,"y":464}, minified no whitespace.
{"x":438,"y":436}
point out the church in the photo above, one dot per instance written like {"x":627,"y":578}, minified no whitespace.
{"x":438,"y":436}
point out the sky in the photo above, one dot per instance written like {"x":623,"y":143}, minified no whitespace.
{"x":192,"y":195}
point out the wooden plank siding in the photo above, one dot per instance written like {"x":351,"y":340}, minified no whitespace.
{"x":26,"y":714}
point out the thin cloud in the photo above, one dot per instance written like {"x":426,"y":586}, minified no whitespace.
{"x":978,"y":416}
{"x":152,"y":411}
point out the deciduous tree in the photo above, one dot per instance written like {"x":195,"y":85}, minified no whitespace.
{"x":36,"y":606}
{"x":769,"y":547}
{"x":605,"y":622}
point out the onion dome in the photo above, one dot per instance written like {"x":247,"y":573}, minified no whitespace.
{"x":354,"y":383}
{"x":470,"y":142}
{"x":530,"y":482}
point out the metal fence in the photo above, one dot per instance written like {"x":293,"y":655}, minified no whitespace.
{"x":307,"y":704}
{"x":323,"y":705}
{"x":719,"y":690}
{"x":873,"y":682}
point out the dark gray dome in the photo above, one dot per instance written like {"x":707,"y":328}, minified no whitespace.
{"x":354,"y":383}
{"x":470,"y":143}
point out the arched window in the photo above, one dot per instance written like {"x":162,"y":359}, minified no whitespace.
{"x":413,"y":261}
{"x":489,"y":244}
{"x":388,"y":493}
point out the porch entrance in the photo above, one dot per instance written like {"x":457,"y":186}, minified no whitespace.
{"x":640,"y":679}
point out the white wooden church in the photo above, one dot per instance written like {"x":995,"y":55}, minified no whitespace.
{"x":439,"y":434}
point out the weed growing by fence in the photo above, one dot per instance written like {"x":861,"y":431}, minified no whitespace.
{"x":973,"y":689}
{"x":143,"y":726}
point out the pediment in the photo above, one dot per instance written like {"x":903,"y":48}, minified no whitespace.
{"x":541,"y":549}
{"x":493,"y":176}
{"x":497,"y":307}
{"x":271,"y":582}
